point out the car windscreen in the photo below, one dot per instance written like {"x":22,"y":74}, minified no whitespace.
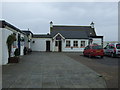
{"x":118,"y":46}
{"x":97,"y":47}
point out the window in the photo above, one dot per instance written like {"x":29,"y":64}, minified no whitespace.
{"x":97,"y":47}
{"x":107,"y":47}
{"x":56,"y":43}
{"x":82,"y":43}
{"x":75,"y":43}
{"x":111,"y":47}
{"x":118,"y":46}
{"x":67,"y":43}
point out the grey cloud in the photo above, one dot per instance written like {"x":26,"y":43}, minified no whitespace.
{"x":37,"y":16}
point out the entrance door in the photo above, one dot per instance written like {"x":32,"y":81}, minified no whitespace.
{"x":19,"y":42}
{"x":60,"y":46}
{"x":47,"y":46}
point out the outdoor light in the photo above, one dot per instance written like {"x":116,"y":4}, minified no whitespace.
{"x":33,"y":41}
{"x":29,"y":40}
{"x":22,"y":39}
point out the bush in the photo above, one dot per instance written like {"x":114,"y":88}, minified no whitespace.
{"x":11,"y":38}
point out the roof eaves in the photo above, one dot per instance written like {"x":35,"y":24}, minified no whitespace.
{"x":4,"y":23}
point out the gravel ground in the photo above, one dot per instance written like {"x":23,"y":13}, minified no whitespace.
{"x":107,"y":67}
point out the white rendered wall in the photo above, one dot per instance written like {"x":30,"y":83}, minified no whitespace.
{"x":55,"y":48}
{"x":97,"y":40}
{"x":40,"y":44}
{"x":5,"y":34}
{"x":0,"y":46}
{"x":22,"y":44}
{"x":79,"y":49}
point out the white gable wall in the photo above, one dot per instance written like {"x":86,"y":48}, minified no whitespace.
{"x":40,"y":44}
{"x":5,"y":34}
{"x":97,"y":40}
{"x":0,"y":46}
{"x":22,"y":44}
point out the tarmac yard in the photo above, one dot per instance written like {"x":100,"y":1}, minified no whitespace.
{"x":51,"y":70}
{"x":107,"y":67}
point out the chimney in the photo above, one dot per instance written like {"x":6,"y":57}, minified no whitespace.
{"x":51,"y":24}
{"x":92,"y":25}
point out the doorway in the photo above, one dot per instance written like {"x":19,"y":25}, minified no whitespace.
{"x":60,"y":46}
{"x":19,"y":46}
{"x":47,"y":46}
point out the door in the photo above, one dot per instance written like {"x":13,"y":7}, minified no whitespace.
{"x":47,"y":46}
{"x":60,"y":46}
{"x":19,"y":43}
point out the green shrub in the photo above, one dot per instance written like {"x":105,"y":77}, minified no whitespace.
{"x":17,"y":52}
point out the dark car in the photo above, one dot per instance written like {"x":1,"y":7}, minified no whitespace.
{"x":93,"y":50}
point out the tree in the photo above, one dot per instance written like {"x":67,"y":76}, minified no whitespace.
{"x":10,"y":40}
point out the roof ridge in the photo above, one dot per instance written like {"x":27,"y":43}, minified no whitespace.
{"x":71,"y":26}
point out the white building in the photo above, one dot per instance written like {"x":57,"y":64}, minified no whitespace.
{"x":7,"y":29}
{"x":60,"y":39}
{"x":65,"y":38}
{"x":28,"y":38}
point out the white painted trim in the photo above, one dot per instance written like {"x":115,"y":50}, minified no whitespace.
{"x":58,"y":34}
{"x":41,"y":38}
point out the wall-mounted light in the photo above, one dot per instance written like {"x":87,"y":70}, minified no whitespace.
{"x":33,"y":41}
{"x":22,"y":39}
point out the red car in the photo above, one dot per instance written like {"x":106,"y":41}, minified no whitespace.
{"x":93,"y":50}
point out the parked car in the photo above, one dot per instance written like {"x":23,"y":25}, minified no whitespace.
{"x":112,"y":49}
{"x":93,"y":50}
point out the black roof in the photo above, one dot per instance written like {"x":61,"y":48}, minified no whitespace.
{"x":73,"y":32}
{"x":97,"y":36}
{"x":27,"y":32}
{"x":41,"y":36}
{"x":4,"y":23}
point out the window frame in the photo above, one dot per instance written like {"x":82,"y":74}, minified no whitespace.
{"x":75,"y":44}
{"x":68,"y":44}
{"x":82,"y":46}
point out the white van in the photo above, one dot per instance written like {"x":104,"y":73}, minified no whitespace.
{"x":112,"y":49}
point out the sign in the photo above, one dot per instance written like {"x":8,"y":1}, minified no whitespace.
{"x":58,"y":37}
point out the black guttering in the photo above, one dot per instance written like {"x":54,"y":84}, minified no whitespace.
{"x":3,"y":24}
{"x":42,"y":36}
{"x":27,"y":32}
{"x":96,"y":36}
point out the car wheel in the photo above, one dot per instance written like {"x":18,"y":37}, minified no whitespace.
{"x":89,"y":56}
{"x":101,"y":56}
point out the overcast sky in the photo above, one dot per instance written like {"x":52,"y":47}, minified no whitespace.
{"x":37,"y":15}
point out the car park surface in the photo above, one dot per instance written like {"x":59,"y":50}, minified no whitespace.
{"x":50,"y":70}
{"x":107,"y":67}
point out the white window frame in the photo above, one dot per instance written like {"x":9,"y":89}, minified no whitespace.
{"x":75,"y":43}
{"x":68,"y":43}
{"x":83,"y":44}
